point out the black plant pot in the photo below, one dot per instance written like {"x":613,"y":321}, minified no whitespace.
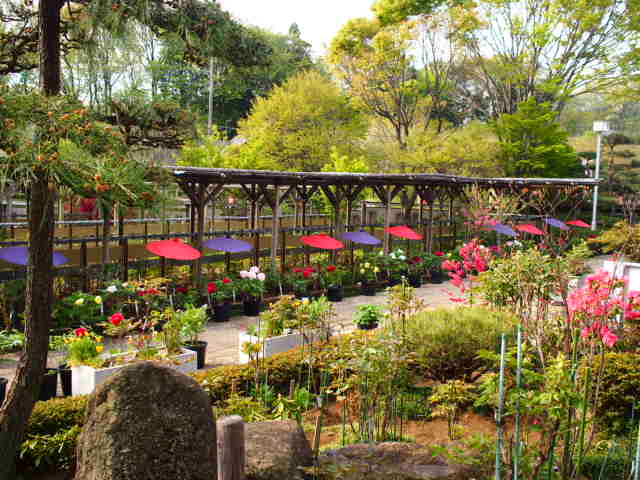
{"x":334,"y":293}
{"x":368,"y":289}
{"x":252,"y":307}
{"x":65,"y":379}
{"x":3,"y":389}
{"x":437,"y":276}
{"x":49,"y":387}
{"x":415,"y":280}
{"x":370,"y":326}
{"x":222,"y":312}
{"x":200,"y":348}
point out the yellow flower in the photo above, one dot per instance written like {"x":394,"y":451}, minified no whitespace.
{"x":99,"y":339}
{"x":99,"y":348}
{"x":305,"y":301}
{"x":367,"y":265}
{"x":98,"y":299}
{"x":362,"y":270}
{"x":376,"y":270}
{"x":79,"y":301}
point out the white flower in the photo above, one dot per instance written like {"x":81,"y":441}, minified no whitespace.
{"x":244,"y":274}
{"x":367,"y":265}
{"x":376,"y":270}
{"x":255,"y":269}
{"x":125,"y":284}
{"x":79,"y":301}
{"x":381,"y":253}
{"x":112,"y":289}
{"x":252,"y":275}
{"x":403,"y":258}
{"x":362,"y":270}
{"x":261,"y":277}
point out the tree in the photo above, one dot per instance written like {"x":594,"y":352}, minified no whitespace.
{"x":533,"y":144}
{"x":296,"y":127}
{"x":397,"y":11}
{"x":378,"y":69}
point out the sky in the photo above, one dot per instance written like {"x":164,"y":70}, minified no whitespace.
{"x":319,"y":20}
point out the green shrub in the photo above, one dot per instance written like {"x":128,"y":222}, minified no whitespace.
{"x":446,"y":341}
{"x":610,"y":461}
{"x":619,"y":391}
{"x":51,"y":434}
{"x":621,"y":238}
{"x":50,"y":452}
{"x":56,"y":415}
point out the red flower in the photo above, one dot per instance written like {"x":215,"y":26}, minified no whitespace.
{"x":226,"y":280}
{"x":142,"y":293}
{"x":81,"y":332}
{"x":116,"y":319}
{"x":212,"y":287}
{"x":307,"y":273}
{"x":182,"y":290}
{"x":416,"y":259}
{"x":298,"y":270}
{"x":439,"y":254}
{"x":331,"y":268}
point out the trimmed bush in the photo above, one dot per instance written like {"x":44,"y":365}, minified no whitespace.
{"x":446,"y":341}
{"x":56,"y":415}
{"x":619,"y":391}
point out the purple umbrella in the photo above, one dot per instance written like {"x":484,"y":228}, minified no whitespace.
{"x":361,"y":237}
{"x":229,"y":245}
{"x":20,"y":256}
{"x":503,"y":229}
{"x":554,"y":222}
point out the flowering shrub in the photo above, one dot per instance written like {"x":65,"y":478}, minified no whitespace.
{"x":251,"y":283}
{"x":595,"y":307}
{"x":78,"y":308}
{"x":475,"y":259}
{"x":332,"y":276}
{"x":368,"y":272}
{"x":302,"y":279}
{"x":85,"y":348}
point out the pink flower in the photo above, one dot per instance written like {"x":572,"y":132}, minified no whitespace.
{"x":439,"y":254}
{"x":261,"y":277}
{"x":608,"y":337}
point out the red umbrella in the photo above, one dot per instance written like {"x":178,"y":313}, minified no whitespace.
{"x":174,"y":248}
{"x":528,"y":228}
{"x":322,"y":241}
{"x":579,"y":223}
{"x":403,"y":231}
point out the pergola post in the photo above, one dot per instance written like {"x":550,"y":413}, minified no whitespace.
{"x":386,"y":194}
{"x":305,"y":192}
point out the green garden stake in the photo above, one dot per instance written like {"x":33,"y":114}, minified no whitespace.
{"x":518,"y":451}
{"x":636,"y":466}
{"x":500,"y":441}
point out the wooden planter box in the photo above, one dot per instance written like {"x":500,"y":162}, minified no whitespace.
{"x":273,"y":345}
{"x":85,"y":379}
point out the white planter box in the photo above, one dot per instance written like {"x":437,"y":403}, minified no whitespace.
{"x":273,"y":345}
{"x":85,"y":379}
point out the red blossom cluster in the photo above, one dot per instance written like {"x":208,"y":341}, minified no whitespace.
{"x":150,"y":291}
{"x":306,"y":272}
{"x":600,"y":302}
{"x":116,"y":319}
{"x":182,"y":289}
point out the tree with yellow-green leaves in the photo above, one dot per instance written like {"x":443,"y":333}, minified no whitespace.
{"x":296,"y":127}
{"x":377,"y":66}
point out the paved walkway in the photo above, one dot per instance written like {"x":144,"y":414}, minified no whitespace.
{"x":223,"y":337}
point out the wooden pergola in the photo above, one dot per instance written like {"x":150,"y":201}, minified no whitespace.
{"x":203,"y":185}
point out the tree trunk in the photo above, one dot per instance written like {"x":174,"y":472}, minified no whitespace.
{"x":25,"y":388}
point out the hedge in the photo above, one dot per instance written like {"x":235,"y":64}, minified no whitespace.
{"x":619,"y":392}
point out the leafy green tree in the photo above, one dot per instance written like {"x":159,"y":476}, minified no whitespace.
{"x":396,"y":11}
{"x":296,"y":127}
{"x":377,"y":67}
{"x":533,"y":144}
{"x":207,"y":153}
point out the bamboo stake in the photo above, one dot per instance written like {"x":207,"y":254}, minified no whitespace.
{"x":500,"y":441}
{"x":516,"y":457}
{"x":636,"y":470}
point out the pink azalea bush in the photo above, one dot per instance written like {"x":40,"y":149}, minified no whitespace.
{"x":475,"y":259}
{"x":598,"y":304}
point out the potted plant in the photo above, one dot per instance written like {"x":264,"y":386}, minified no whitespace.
{"x":435,"y":267}
{"x":368,"y":274}
{"x":416,"y":270}
{"x":192,"y":323}
{"x":251,"y":287}
{"x":396,"y":265}
{"x":368,"y":316}
{"x":302,"y":280}
{"x":60,"y":344}
{"x":77,"y":309}
{"x":332,"y":281}
{"x":219,"y":294}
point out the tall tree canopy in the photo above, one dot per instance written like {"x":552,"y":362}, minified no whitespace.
{"x":296,"y":126}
